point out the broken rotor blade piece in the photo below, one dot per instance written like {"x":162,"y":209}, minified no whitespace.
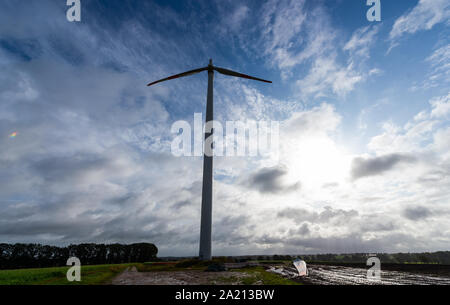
{"x":237,"y":74}
{"x":187,"y":73}
{"x":301,"y":267}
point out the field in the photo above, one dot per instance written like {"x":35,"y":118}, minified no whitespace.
{"x":192,"y":272}
{"x":143,"y":274}
{"x":356,"y":274}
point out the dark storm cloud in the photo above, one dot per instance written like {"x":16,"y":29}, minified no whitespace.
{"x":304,"y":229}
{"x":327,"y":215}
{"x":131,"y":226}
{"x":435,"y":176}
{"x":377,"y":223}
{"x":267,"y":179}
{"x":122,"y":200}
{"x":61,"y":168}
{"x":16,"y":210}
{"x":69,"y":216}
{"x":352,"y":243}
{"x":416,"y":213}
{"x":270,"y":180}
{"x":59,"y":228}
{"x":229,"y":230}
{"x":96,"y":225}
{"x":188,"y":196}
{"x":365,"y":167}
{"x":180,"y":204}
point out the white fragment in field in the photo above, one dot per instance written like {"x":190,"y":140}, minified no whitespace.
{"x":301,"y":267}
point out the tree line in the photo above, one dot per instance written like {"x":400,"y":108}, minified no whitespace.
{"x":439,"y":257}
{"x":15,"y":256}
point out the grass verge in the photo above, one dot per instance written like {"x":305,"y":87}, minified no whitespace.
{"x":90,"y":275}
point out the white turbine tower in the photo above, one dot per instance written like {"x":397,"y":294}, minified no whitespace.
{"x":206,"y":217}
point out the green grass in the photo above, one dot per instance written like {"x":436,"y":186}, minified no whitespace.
{"x":90,"y":275}
{"x":152,"y":267}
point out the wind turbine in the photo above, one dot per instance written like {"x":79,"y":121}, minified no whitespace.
{"x":206,"y":217}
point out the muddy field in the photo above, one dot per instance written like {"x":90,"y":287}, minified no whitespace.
{"x":357,"y":275}
{"x":319,"y":274}
{"x":188,"y":277}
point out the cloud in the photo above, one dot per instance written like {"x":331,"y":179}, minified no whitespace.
{"x":440,"y":68}
{"x":350,"y":243}
{"x":319,"y":120}
{"x":424,"y":16}
{"x":441,"y":107}
{"x":180,"y":204}
{"x":438,"y":74}
{"x":361,"y":41}
{"x":396,"y":139}
{"x":415,"y":134}
{"x":377,"y":223}
{"x":328,"y":215}
{"x":238,"y":16}
{"x":304,"y":44}
{"x":283,"y":22}
{"x":304,"y":229}
{"x":326,"y":75}
{"x":416,"y":213}
{"x":78,"y":167}
{"x":270,"y":180}
{"x":230,"y":230}
{"x":330,"y":185}
{"x":441,"y":141}
{"x":316,"y":46}
{"x":239,"y":102}
{"x":366,"y":167}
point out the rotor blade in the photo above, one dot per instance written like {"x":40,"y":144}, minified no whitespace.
{"x":187,"y":73}
{"x":232,"y":73}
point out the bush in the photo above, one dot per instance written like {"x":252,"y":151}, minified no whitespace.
{"x":187,"y":263}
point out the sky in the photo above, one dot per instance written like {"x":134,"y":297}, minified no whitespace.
{"x":364,"y":108}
